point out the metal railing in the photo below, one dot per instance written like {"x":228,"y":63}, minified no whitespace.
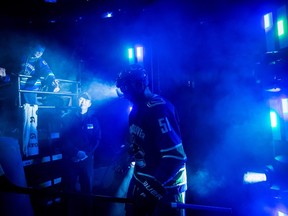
{"x":69,"y":94}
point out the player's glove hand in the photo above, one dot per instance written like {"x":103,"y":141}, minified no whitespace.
{"x":81,"y":155}
{"x":56,"y":86}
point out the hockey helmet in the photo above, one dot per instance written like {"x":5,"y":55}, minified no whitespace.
{"x":132,"y":81}
{"x":133,"y":74}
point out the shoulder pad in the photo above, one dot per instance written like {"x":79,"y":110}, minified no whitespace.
{"x":156,"y":101}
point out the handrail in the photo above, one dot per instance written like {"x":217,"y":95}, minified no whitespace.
{"x":53,"y":93}
{"x":42,"y":78}
{"x":77,"y":83}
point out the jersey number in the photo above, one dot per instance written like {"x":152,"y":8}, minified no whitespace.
{"x":164,"y":125}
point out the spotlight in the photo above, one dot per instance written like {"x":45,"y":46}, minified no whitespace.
{"x":107,"y":15}
{"x":275,"y":176}
{"x":280,"y":213}
{"x":254,"y":177}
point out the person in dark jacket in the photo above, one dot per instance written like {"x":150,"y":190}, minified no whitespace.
{"x":80,"y":135}
{"x":155,"y":145}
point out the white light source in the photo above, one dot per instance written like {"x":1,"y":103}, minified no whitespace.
{"x":108,"y":15}
{"x":280,"y":26}
{"x":268,"y":21}
{"x":139,"y":54}
{"x":282,"y":213}
{"x":254,"y":177}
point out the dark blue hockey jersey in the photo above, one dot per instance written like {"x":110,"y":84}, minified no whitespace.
{"x":36,"y":68}
{"x":156,"y":143}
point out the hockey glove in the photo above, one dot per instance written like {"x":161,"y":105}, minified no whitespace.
{"x":81,"y":155}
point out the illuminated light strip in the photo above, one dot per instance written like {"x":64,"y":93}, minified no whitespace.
{"x":28,"y":162}
{"x":280,"y":27}
{"x":57,"y":180}
{"x":130,"y":53}
{"x":285,"y":105}
{"x":56,"y":200}
{"x":57,"y":157}
{"x":273,"y":118}
{"x":267,"y":23}
{"x":45,"y":159}
{"x":46,"y":184}
{"x":139,"y":53}
{"x":49,"y":183}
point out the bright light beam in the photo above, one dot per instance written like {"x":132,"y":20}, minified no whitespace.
{"x":253,"y":177}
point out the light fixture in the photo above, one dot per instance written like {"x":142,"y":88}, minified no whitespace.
{"x":107,"y":14}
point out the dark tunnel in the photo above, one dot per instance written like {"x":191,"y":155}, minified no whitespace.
{"x":213,"y":60}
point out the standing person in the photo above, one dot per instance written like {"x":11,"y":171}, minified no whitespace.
{"x":81,"y":136}
{"x":34,"y":66}
{"x":156,"y":146}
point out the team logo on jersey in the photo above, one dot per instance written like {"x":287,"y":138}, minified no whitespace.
{"x":134,"y":129}
{"x":28,"y":69}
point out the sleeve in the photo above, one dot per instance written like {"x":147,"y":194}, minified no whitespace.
{"x":69,"y":150}
{"x":96,"y":136}
{"x":30,"y":67}
{"x":47,"y":73}
{"x":173,"y":157}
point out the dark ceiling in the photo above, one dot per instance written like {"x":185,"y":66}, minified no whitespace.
{"x":173,"y":25}
{"x":70,"y":10}
{"x":66,"y":16}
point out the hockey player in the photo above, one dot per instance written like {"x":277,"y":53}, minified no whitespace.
{"x":34,"y":66}
{"x":156,"y":147}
